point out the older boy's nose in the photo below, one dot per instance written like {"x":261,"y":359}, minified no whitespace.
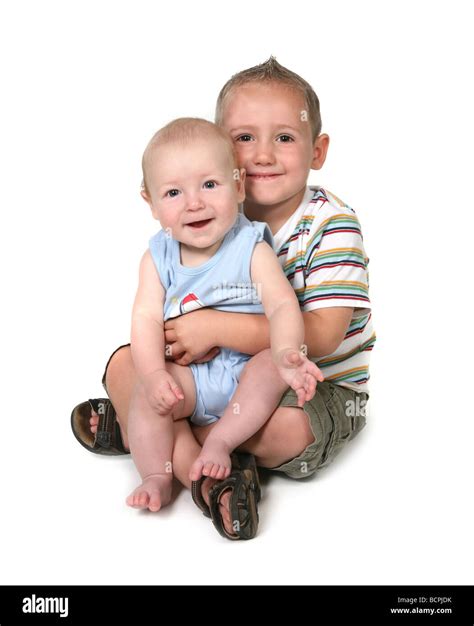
{"x":264,"y":154}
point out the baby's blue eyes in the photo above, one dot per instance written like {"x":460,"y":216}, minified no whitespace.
{"x":209,"y":184}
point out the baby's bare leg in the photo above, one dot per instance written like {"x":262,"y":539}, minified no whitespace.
{"x":150,"y":438}
{"x":256,"y":397}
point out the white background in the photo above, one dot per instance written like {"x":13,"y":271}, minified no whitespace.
{"x":84,"y":85}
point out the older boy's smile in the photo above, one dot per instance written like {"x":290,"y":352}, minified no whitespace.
{"x":263,"y":177}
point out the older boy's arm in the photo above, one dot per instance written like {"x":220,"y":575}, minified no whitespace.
{"x":193,"y":334}
{"x":324,"y":330}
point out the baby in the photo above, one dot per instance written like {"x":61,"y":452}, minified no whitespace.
{"x":206,"y":255}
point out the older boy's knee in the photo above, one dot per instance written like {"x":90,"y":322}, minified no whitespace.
{"x":286,"y":435}
{"x":119,"y":366}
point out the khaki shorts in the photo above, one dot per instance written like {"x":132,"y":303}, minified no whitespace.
{"x":336,"y":415}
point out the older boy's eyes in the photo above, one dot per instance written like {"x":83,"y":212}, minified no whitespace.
{"x":244,"y":138}
{"x":285,"y":138}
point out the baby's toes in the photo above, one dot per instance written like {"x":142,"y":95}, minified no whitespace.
{"x":131,"y":500}
{"x":155,"y":501}
{"x":207,"y":469}
{"x":195,"y":472}
{"x":214,"y":470}
{"x":138,"y":499}
{"x":222,"y":472}
{"x":143,"y":499}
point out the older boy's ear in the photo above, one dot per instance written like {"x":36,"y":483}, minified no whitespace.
{"x":239,"y":176}
{"x":320,"y":150}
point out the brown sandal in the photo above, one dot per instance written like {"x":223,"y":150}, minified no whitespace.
{"x":108,"y":439}
{"x":246,"y":493}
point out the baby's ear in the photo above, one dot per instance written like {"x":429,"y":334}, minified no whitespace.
{"x":144,"y":194}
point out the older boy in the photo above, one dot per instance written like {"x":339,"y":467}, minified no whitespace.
{"x":273,"y":117}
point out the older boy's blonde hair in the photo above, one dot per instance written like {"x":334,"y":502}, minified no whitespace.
{"x":184,"y":130}
{"x":272,"y":72}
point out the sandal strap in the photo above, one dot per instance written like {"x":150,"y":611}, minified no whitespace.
{"x":246,"y":493}
{"x":108,"y":430}
{"x":243,"y":504}
{"x":196,"y":493}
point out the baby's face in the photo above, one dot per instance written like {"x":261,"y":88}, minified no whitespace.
{"x":273,"y":139}
{"x":193,"y":191}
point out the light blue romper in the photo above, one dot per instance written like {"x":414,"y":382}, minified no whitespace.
{"x":224,"y":283}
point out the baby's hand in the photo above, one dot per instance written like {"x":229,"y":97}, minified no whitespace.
{"x":162,"y":392}
{"x":299,"y":373}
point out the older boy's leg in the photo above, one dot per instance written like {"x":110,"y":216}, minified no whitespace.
{"x":335,"y":416}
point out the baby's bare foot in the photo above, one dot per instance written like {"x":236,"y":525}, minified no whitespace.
{"x":224,"y":503}
{"x":153,"y":494}
{"x":214,"y":461}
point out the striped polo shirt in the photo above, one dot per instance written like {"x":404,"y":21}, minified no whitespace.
{"x":322,"y":254}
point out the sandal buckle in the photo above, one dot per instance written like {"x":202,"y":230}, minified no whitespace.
{"x":103,"y":438}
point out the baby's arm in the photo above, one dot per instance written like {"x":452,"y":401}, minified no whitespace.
{"x":148,"y":343}
{"x":286,"y":323}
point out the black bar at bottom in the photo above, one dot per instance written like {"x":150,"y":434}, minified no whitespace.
{"x":295,"y":605}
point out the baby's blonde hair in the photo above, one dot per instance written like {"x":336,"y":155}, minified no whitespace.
{"x":272,"y":72}
{"x":184,"y":130}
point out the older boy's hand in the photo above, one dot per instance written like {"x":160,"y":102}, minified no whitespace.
{"x":189,"y":338}
{"x":299,"y":373}
{"x":162,"y":391}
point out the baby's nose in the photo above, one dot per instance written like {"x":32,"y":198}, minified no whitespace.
{"x":194,"y":204}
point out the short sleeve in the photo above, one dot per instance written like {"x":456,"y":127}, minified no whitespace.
{"x":336,"y":266}
{"x":264,"y":233}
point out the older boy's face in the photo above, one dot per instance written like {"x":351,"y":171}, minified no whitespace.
{"x":273,"y":140}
